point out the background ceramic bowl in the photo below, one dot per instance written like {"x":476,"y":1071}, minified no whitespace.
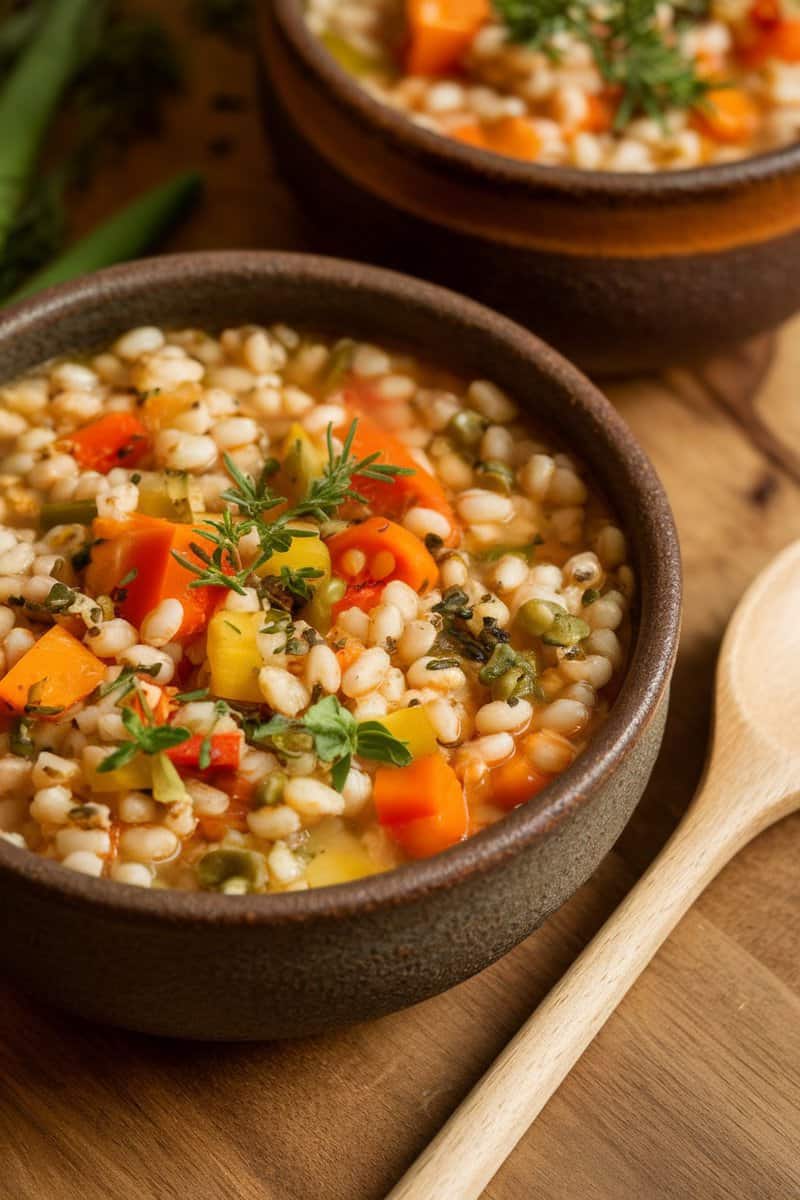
{"x":621,"y":272}
{"x":207,"y":966}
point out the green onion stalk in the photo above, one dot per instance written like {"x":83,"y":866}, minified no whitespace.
{"x":30,"y":95}
{"x":126,"y":235}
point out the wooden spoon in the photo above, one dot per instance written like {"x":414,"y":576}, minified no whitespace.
{"x":752,"y":779}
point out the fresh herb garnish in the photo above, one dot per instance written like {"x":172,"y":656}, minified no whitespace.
{"x":188,"y":697}
{"x":456,"y":636}
{"x":255,"y":499}
{"x":589,"y":597}
{"x":632,"y":51}
{"x":337,"y":736}
{"x":60,"y":598}
{"x":20,"y":741}
{"x":145,"y":738}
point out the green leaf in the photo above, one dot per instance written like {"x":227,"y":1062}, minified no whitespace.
{"x":119,"y":757}
{"x":374,"y":741}
{"x":334,"y":728}
{"x":339,"y":772}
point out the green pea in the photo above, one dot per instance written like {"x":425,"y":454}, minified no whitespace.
{"x":220,"y":869}
{"x":552,"y":623}
{"x":536,"y":616}
{"x":496,"y":476}
{"x":466,"y":428}
{"x":566,"y":630}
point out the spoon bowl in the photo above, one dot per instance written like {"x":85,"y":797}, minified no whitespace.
{"x":768,"y":703}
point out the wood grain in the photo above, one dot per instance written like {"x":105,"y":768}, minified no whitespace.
{"x":751,"y":781}
{"x":693,"y":1087}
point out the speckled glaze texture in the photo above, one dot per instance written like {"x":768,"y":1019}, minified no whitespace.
{"x":198,"y":965}
{"x":621,"y":272}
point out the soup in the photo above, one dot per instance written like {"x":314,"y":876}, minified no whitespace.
{"x":614,"y":87}
{"x":279,"y":610}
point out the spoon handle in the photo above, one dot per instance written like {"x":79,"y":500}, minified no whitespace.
{"x":485,"y":1128}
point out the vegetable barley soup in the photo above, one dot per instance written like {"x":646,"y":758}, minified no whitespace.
{"x":620,"y":85}
{"x":279,"y":611}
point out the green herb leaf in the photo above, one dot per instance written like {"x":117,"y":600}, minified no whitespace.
{"x":374,"y":741}
{"x":631,"y":50}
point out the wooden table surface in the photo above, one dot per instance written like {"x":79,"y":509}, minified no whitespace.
{"x":693,"y":1088}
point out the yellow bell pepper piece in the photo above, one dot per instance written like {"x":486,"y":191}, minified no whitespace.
{"x":414,"y":726}
{"x":162,"y":407}
{"x":233,"y":655}
{"x":338,"y":856}
{"x":301,"y":462}
{"x":135,"y":776}
{"x":303,"y":552}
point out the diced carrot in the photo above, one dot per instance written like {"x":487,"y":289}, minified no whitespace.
{"x":397,"y":496}
{"x":422,"y":806}
{"x":144,"y":545}
{"x":472,"y":133}
{"x":599,"y":114}
{"x":391,"y":552}
{"x":765,"y":12}
{"x":55,"y":673}
{"x":515,"y":781}
{"x":117,"y":440}
{"x":441,"y":32}
{"x":728,"y":115}
{"x":225,"y":749}
{"x":515,"y":137}
{"x":780,"y":40}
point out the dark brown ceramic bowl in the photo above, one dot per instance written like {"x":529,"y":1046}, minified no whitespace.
{"x":620,"y":271}
{"x":207,"y":966}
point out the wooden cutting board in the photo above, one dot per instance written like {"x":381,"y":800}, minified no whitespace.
{"x":691,"y":1091}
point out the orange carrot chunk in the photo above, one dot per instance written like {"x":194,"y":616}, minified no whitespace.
{"x":515,"y":137}
{"x":55,"y":673}
{"x":441,"y":32}
{"x":765,"y":38}
{"x":132,"y":561}
{"x":515,"y":781}
{"x":117,"y":440}
{"x":422,"y":806}
{"x":394,"y":497}
{"x":390,"y":552}
{"x":728,"y":115}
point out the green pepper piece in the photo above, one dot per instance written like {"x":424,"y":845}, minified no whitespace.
{"x":67,"y":512}
{"x":338,"y":365}
{"x":319,"y":610}
{"x":233,"y":871}
{"x":270,"y":789}
{"x":496,"y":476}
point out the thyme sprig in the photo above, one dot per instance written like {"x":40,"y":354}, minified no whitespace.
{"x":221,"y":564}
{"x":145,"y":738}
{"x":635,"y":53}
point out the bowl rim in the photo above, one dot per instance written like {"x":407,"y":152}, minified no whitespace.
{"x":650,"y":666}
{"x":437,"y":150}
